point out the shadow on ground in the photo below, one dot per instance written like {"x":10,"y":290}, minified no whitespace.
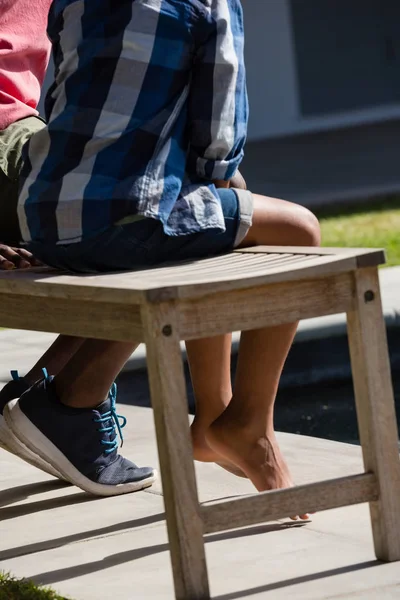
{"x":53,"y":577}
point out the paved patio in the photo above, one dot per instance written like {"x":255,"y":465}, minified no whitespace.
{"x":92,"y":549}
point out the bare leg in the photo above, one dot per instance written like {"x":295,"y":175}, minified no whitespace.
{"x":212,"y":394}
{"x":249,"y":418}
{"x":244,"y":434}
{"x":280,"y":223}
{"x":84,"y":382}
{"x":56,"y":357}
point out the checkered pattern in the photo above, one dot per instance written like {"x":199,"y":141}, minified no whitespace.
{"x":149,"y":105}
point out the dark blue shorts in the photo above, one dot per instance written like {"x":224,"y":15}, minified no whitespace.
{"x":143,"y":243}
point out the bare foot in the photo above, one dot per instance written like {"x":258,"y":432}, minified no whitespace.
{"x":260,"y":460}
{"x":203,"y":453}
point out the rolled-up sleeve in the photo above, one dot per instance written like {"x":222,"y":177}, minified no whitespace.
{"x":218,"y":105}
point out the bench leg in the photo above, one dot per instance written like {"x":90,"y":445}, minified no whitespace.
{"x":376,"y":410}
{"x":169,"y":400}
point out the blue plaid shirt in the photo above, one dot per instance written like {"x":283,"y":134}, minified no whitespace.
{"x":149,"y":105}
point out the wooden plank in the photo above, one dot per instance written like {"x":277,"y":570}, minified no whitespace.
{"x":376,"y":410}
{"x":179,"y":281}
{"x":280,"y":504}
{"x":116,"y":288}
{"x":365,"y":257}
{"x":236,"y":261}
{"x":222,"y":261}
{"x":323,"y":266}
{"x":71,"y":317}
{"x":251,"y":264}
{"x":168,"y":395}
{"x":265,"y":305}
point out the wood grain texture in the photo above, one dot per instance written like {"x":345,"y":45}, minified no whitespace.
{"x":168,"y":396}
{"x":243,"y":269}
{"x":220,"y":280}
{"x":376,"y":410}
{"x":72,"y":317}
{"x":265,"y":305}
{"x":116,"y":288}
{"x":365,"y":257}
{"x":281,"y":504}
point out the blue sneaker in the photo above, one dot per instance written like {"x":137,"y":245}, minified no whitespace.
{"x":13,"y":389}
{"x":81,"y":444}
{"x":8,"y":441}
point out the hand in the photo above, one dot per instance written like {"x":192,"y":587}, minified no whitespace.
{"x":221,"y":183}
{"x":16,"y":258}
{"x":238,"y":182}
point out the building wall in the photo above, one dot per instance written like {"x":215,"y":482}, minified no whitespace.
{"x":271,"y":75}
{"x":272,"y":78}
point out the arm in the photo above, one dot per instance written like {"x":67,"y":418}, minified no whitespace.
{"x":218,"y":107}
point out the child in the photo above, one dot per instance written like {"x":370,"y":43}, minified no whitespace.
{"x":147,"y":124}
{"x":24,"y":53}
{"x":24,"y":56}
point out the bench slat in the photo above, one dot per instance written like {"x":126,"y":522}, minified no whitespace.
{"x":192,"y":279}
{"x":366,"y":257}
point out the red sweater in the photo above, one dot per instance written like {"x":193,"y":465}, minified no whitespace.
{"x":24,"y":56}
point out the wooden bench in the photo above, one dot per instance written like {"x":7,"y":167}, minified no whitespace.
{"x":250,"y":288}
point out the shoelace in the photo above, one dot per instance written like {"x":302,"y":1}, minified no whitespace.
{"x":112,"y":414}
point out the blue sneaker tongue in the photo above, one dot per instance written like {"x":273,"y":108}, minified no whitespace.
{"x":104,"y":406}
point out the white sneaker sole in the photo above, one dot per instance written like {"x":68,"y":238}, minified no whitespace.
{"x":38,"y":443}
{"x":9,"y":442}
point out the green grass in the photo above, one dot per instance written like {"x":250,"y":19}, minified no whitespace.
{"x":374,"y":225}
{"x":21,"y":589}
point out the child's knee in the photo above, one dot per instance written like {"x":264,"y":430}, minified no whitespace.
{"x":310,"y":234}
